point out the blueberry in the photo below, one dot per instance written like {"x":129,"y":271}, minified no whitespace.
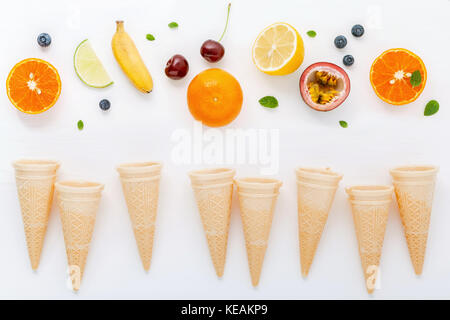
{"x":340,"y":42}
{"x":44,"y":39}
{"x":357,"y":30}
{"x":105,"y":104}
{"x":348,"y":60}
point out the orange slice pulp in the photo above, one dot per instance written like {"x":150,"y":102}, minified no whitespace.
{"x":33,"y":86}
{"x":390,"y":76}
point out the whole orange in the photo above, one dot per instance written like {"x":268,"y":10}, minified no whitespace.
{"x":214,"y":97}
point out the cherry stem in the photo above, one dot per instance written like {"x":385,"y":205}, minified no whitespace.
{"x":226,"y":24}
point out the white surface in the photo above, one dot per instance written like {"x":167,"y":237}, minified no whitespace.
{"x":139,"y":127}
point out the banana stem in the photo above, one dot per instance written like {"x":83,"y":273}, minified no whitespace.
{"x":119,"y":26}
{"x":226,"y":24}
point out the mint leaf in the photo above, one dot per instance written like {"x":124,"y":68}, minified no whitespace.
{"x":150,"y":37}
{"x":416,"y":79}
{"x":311,"y":33}
{"x":268,"y":102}
{"x":80,"y":125}
{"x":173,"y":25}
{"x":343,"y":124}
{"x":431,"y":108}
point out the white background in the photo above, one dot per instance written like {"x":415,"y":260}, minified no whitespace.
{"x":139,"y":127}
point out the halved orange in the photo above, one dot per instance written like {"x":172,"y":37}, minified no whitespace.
{"x":390,"y":76}
{"x":33,"y":86}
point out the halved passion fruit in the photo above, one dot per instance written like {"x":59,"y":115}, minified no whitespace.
{"x":324,"y":86}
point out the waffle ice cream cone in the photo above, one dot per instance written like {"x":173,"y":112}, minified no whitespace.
{"x":140,"y":184}
{"x":414,"y":187}
{"x":257,"y":199}
{"x":316,"y":190}
{"x":213,"y":189}
{"x":35,"y":184}
{"x":78,"y":203}
{"x":370,"y":207}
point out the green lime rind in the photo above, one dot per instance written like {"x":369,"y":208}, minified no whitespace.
{"x":99,"y":65}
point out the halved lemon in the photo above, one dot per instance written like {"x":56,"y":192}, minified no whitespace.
{"x":89,"y":68}
{"x":278,"y":50}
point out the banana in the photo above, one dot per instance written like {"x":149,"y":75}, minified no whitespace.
{"x":130,"y":60}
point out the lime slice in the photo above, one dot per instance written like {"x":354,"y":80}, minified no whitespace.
{"x":89,"y":68}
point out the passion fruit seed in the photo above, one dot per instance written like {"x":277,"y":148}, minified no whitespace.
{"x":326,"y":78}
{"x":322,"y":89}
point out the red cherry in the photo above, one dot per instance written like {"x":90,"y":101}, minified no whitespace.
{"x":212,"y":50}
{"x":177,"y":67}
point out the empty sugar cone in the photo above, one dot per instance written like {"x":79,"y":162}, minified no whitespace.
{"x":140,"y":184}
{"x":414,"y":188}
{"x":35,"y":184}
{"x":316,"y":190}
{"x":78,"y":203}
{"x":370,"y":207}
{"x":214,"y":205}
{"x":213,"y":189}
{"x":370,"y":224}
{"x":257,"y":207}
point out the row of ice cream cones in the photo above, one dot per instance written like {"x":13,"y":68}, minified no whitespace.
{"x":413,"y":185}
{"x":414,"y":189}
{"x":78,"y":203}
{"x":213,"y":190}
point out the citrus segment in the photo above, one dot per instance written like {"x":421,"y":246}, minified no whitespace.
{"x":278,"y":50}
{"x":390,"y":76}
{"x":33,"y":86}
{"x":89,"y":68}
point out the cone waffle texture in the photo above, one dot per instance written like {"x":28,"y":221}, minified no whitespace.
{"x":370,"y":219}
{"x":257,"y":210}
{"x":35,"y":184}
{"x":316,"y":191}
{"x":414,"y":188}
{"x":140,"y":184}
{"x":78,"y":203}
{"x":213,"y":189}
